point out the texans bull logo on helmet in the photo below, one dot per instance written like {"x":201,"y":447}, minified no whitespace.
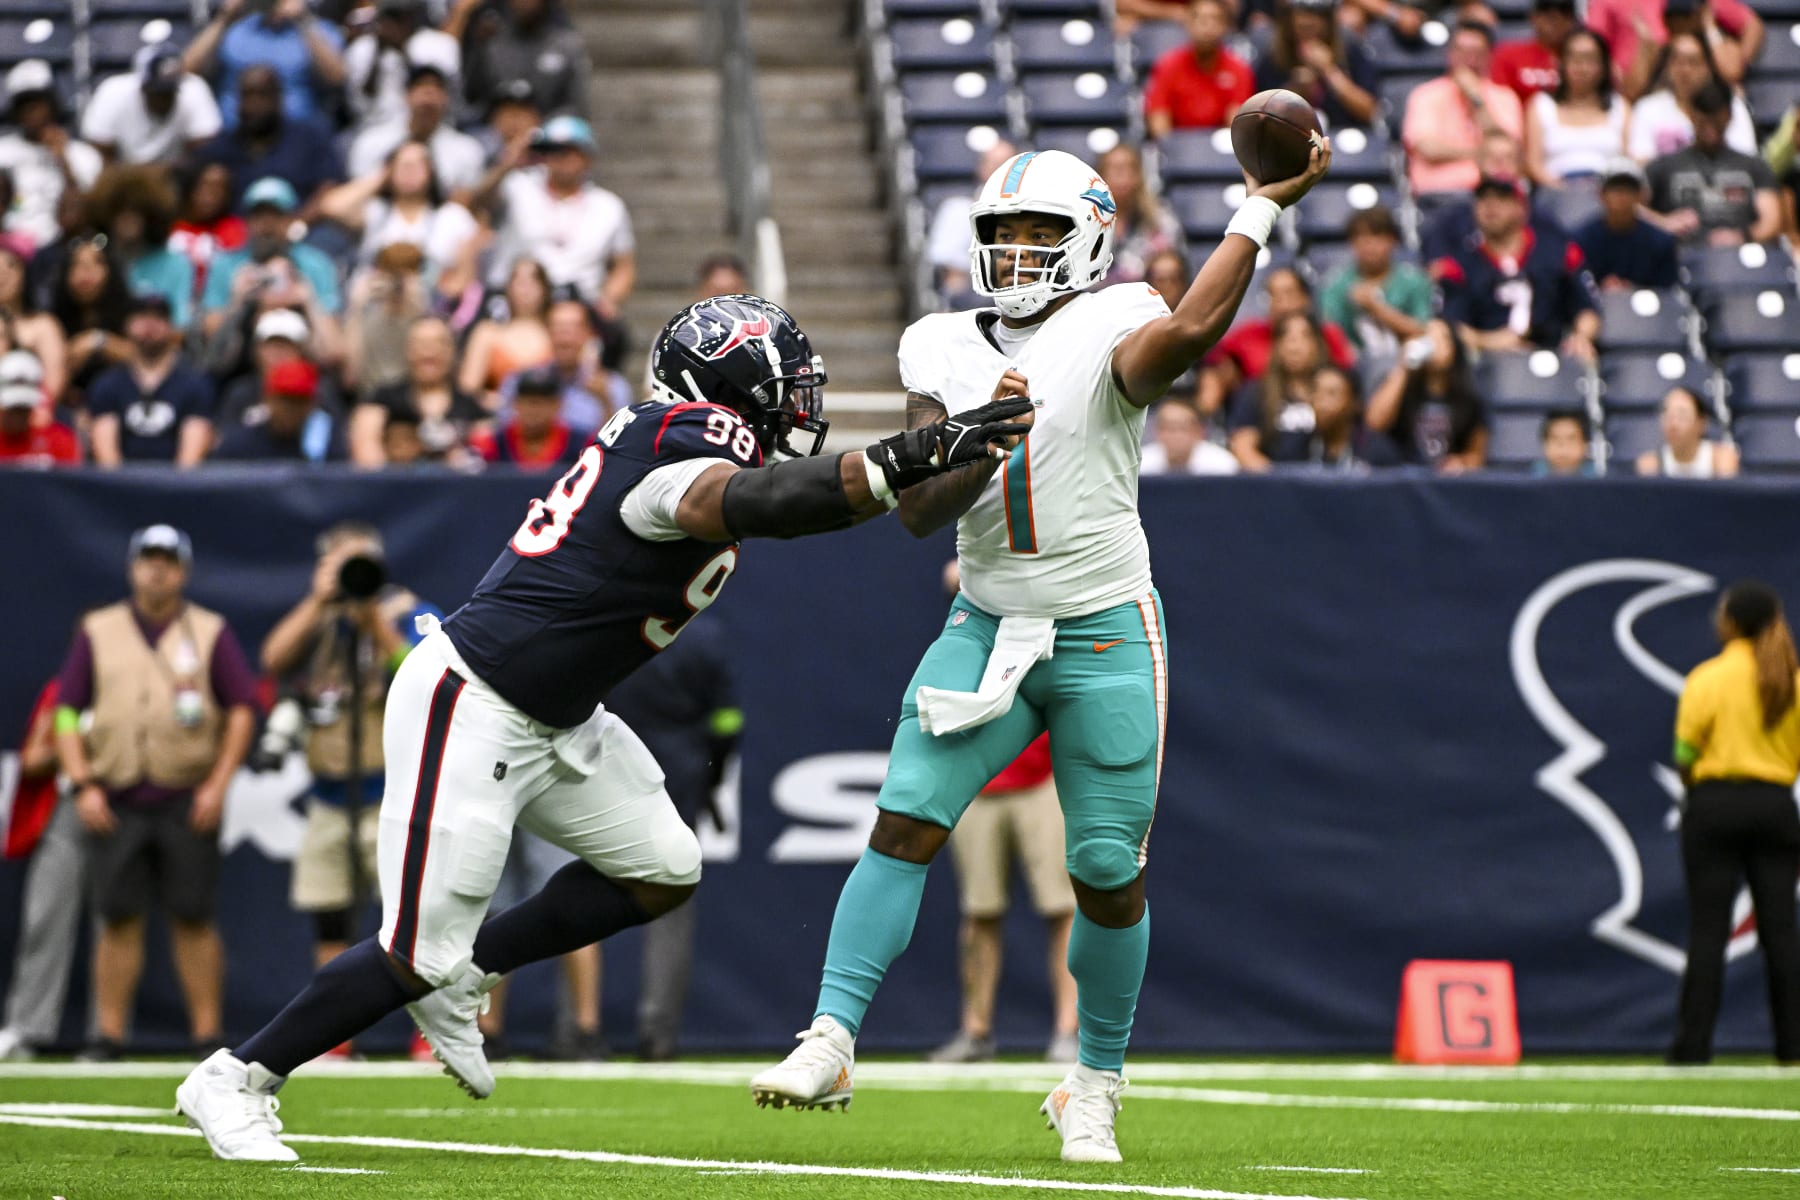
{"x":746,"y":354}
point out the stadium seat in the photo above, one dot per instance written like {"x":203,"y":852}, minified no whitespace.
{"x":1778,"y":10}
{"x":1365,"y":154}
{"x":1514,"y":439}
{"x":1393,"y":91}
{"x":1629,"y":436}
{"x":1329,"y":207}
{"x":1390,"y":54}
{"x":54,"y":8}
{"x":900,"y":10}
{"x":1769,"y":100}
{"x":1781,"y":51}
{"x":1763,"y":381}
{"x":1573,"y":206}
{"x":961,"y":97}
{"x":1059,"y":45}
{"x":1766,"y":320}
{"x":1084,"y":143}
{"x":1645,"y":319}
{"x":1091,"y":10}
{"x":1153,"y":39}
{"x":172,"y":10}
{"x":1511,"y":10}
{"x":932,"y":195}
{"x":1086,"y":99}
{"x":943,"y":152}
{"x":1712,"y":271}
{"x":1640,"y":380}
{"x":951,"y":45}
{"x":1768,"y":440}
{"x":36,"y":37}
{"x":1187,"y":155}
{"x":111,"y":44}
{"x":1321,"y":260}
{"x":1205,"y":209}
{"x":1537,"y":380}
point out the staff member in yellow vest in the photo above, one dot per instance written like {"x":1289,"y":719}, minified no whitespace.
{"x":352,"y":619}
{"x":1737,"y":742}
{"x":169,"y":710}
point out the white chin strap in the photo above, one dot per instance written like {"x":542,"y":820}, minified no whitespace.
{"x":1029,"y":305}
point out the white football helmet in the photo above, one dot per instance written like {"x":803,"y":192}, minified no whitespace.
{"x":1057,"y":184}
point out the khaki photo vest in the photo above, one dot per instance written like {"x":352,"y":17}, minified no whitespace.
{"x":328,"y":747}
{"x":134,"y":737}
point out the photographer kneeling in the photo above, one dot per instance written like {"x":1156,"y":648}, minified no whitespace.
{"x":341,"y":645}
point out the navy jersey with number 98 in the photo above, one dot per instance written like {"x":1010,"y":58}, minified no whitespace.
{"x":577,"y":601}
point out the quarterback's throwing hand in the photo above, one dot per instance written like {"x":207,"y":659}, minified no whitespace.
{"x":985,"y":432}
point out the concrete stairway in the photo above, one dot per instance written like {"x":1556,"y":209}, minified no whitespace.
{"x":655,"y":106}
{"x":654,"y":102}
{"x":827,"y":193}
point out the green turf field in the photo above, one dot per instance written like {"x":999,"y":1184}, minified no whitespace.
{"x":1188,"y":1130}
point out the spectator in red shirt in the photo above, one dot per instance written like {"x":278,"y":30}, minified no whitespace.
{"x":537,"y":436}
{"x":206,"y":226}
{"x":21,"y":443}
{"x":1242,"y":355}
{"x":1200,"y":85}
{"x":1529,"y":66}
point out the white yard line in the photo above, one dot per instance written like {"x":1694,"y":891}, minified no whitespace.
{"x":333,"y":1170}
{"x":85,"y":1110}
{"x":875,"y":1071}
{"x":684,"y":1164}
{"x":1233,"y":1096}
{"x":1764,"y":1170}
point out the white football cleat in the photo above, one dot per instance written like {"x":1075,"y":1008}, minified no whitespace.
{"x":447,"y":1019}
{"x":234,"y":1105}
{"x":815,"y":1075}
{"x":1082,"y":1109}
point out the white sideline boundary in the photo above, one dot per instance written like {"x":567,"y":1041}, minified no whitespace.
{"x":697,"y":1165}
{"x":959,"y":1074}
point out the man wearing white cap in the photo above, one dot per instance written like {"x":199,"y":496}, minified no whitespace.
{"x":41,"y":156}
{"x":550,"y":211}
{"x":155,"y":112}
{"x":170,"y":703}
{"x":23,"y":443}
{"x":282,"y":335}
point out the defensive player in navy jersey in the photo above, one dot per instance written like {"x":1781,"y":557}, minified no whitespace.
{"x":496,"y":719}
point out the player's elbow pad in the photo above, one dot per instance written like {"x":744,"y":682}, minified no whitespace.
{"x":789,"y":499}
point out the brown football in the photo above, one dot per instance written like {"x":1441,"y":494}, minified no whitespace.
{"x":1272,"y":135}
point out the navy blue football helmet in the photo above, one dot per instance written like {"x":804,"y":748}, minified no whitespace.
{"x":747,"y":354}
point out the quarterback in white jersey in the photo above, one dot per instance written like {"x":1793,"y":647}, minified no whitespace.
{"x":1057,"y":626}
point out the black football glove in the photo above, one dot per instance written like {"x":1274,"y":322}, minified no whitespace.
{"x":930,"y":450}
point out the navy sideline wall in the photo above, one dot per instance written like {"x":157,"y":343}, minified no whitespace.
{"x":1407,"y":718}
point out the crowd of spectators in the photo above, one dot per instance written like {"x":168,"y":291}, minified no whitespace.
{"x":1551,"y":162}
{"x":314,"y":232}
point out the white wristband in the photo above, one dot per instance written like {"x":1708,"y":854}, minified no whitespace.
{"x":878,"y":484}
{"x":1255,"y":219}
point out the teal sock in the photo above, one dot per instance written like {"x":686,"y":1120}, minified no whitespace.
{"x":873,"y":923}
{"x":1108,"y":966}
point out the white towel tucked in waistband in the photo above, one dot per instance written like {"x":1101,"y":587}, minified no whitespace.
{"x":1018,"y":644}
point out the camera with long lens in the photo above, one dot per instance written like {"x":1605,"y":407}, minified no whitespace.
{"x":361,"y":577}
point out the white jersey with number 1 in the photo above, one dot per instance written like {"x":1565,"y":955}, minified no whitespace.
{"x":1056,"y":532}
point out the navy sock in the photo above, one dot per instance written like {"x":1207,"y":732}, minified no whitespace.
{"x":346,"y":996}
{"x":578,"y":907}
